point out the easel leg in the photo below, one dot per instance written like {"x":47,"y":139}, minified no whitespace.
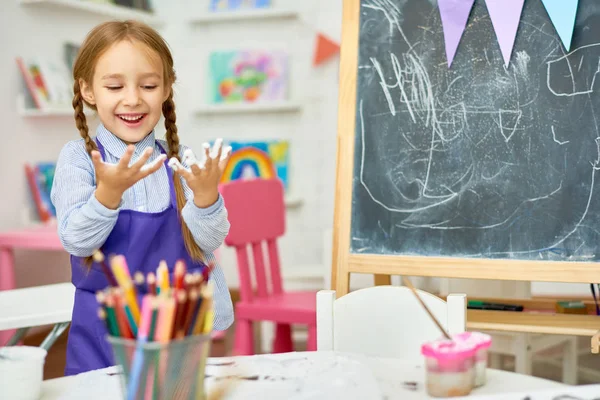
{"x":342,"y":284}
{"x":383,"y":280}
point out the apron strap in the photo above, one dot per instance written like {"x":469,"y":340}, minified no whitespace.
{"x":170,"y":176}
{"x":100,"y":149}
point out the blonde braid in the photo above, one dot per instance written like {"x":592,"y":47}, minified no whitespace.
{"x":80,"y":120}
{"x":81,"y":123}
{"x":168,"y":109}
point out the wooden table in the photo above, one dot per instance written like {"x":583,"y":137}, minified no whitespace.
{"x":308,"y":375}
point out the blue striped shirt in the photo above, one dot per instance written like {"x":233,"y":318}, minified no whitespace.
{"x":84,"y":223}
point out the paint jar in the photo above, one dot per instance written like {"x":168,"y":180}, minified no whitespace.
{"x":450,"y":367}
{"x":21,"y":372}
{"x":482,"y":343}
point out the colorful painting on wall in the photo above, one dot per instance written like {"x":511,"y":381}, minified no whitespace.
{"x":259,"y":159}
{"x":248,"y":76}
{"x":228,"y":5}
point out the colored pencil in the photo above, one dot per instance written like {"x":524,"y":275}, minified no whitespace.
{"x":132,"y":323}
{"x":181,"y":302}
{"x":121,"y":315}
{"x":196,"y":311}
{"x":111,"y":316}
{"x":206,"y":294}
{"x":154,"y":319}
{"x":119,"y":268}
{"x":138,"y":279}
{"x":122,"y":262}
{"x":188,"y":282}
{"x":165,"y":319}
{"x":98,"y":257}
{"x":137,"y":365}
{"x":169,"y":311}
{"x":198,"y":279}
{"x":179,"y":275}
{"x":190,"y":308}
{"x":151,"y":283}
{"x":162,"y":276}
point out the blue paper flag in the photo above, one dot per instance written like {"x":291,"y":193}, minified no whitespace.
{"x":562,"y":14}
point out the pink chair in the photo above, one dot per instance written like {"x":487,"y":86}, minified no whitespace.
{"x":257,"y":216}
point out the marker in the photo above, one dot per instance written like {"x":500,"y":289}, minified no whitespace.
{"x":482,"y":305}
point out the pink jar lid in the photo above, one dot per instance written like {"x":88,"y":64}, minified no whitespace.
{"x":480,"y":340}
{"x":446,"y":350}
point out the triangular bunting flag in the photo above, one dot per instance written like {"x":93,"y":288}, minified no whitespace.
{"x":454,"y":14}
{"x":505,"y":16}
{"x":326,"y":48}
{"x":562,"y":14}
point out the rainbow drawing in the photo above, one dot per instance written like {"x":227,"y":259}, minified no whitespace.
{"x":261,"y":159}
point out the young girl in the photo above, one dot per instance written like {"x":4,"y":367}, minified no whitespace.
{"x":115,"y":192}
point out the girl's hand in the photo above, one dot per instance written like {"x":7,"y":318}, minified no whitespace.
{"x":203,"y":177}
{"x":112,"y":180}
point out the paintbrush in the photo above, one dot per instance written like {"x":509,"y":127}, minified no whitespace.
{"x":408,"y":283}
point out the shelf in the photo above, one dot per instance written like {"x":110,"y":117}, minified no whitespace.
{"x":29,"y":112}
{"x":109,"y":10}
{"x":256,"y":14}
{"x":56,"y":112}
{"x":235,"y":108}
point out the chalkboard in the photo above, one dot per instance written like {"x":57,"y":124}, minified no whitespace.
{"x":478,"y":160}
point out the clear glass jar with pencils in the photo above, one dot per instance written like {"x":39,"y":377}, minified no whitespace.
{"x":161,"y":339}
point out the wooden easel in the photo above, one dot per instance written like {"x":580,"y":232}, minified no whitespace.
{"x":383,"y":266}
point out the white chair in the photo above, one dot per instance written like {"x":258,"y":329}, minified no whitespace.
{"x":22,"y":309}
{"x":386,"y":321}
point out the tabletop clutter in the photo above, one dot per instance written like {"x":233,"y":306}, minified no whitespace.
{"x":159,"y":330}
{"x":455,"y":367}
{"x":454,"y":364}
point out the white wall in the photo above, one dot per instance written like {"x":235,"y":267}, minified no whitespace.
{"x":311,"y":132}
{"x":28,"y":32}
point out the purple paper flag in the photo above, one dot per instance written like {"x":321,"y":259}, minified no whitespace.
{"x":505,"y":16}
{"x":454,"y":14}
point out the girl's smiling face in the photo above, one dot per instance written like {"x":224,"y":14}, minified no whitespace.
{"x":128,"y":90}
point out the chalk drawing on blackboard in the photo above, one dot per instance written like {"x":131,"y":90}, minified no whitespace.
{"x":477,"y":160}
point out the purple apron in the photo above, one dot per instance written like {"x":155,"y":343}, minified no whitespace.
{"x":144,"y":239}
